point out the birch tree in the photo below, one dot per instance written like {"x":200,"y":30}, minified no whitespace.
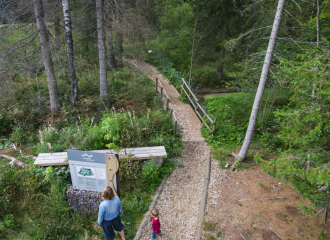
{"x":264,"y":74}
{"x":102,"y":64}
{"x":54,"y":95}
{"x":70,"y":52}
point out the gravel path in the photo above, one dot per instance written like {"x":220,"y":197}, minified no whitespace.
{"x":187,"y":119}
{"x":179,"y":201}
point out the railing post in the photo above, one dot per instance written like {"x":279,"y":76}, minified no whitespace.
{"x":214,"y":124}
{"x":156,"y":85}
{"x":174,"y":128}
{"x":161,"y":92}
{"x":167,"y":102}
{"x":206,"y":113}
{"x":171,"y":112}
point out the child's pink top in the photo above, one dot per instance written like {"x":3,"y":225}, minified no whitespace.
{"x":155,"y":224}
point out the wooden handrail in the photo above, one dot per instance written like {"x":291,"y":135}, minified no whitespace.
{"x":196,"y":105}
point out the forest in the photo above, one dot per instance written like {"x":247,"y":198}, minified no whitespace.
{"x":66,"y":84}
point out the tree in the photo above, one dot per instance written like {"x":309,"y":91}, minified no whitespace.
{"x":264,"y":74}
{"x":102,"y":64}
{"x":110,"y":50}
{"x":55,"y":102}
{"x":69,"y":44}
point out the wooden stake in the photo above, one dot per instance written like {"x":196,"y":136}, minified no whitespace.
{"x":228,"y":216}
{"x":214,"y":124}
{"x":325,"y":216}
{"x":273,"y":230}
{"x":167,"y":102}
{"x":174,"y":128}
{"x":156,"y":85}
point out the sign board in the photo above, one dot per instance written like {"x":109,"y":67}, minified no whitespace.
{"x":88,"y":170}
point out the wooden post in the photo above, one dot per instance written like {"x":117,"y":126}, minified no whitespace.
{"x":156,"y":85}
{"x":214,"y":123}
{"x":205,"y":115}
{"x":174,"y":128}
{"x":171,"y":112}
{"x":167,"y":102}
{"x":161,"y":92}
{"x":112,"y":166}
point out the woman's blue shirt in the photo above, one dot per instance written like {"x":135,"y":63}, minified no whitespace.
{"x":109,"y":209}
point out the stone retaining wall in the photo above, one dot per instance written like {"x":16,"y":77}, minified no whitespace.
{"x":82,"y":201}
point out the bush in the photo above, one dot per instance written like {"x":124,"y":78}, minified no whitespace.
{"x":4,"y":125}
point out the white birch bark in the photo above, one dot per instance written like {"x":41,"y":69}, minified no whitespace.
{"x":103,"y":68}
{"x":54,"y":95}
{"x":318,"y":22}
{"x":264,"y":74}
{"x":70,"y":52}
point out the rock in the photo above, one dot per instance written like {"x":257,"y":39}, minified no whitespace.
{"x":82,"y":201}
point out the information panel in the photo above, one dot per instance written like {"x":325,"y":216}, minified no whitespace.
{"x":88,"y":170}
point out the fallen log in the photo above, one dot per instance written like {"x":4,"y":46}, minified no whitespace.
{"x":14,"y":161}
{"x":263,"y":199}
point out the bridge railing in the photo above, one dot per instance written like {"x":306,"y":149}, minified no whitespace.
{"x":198,"y":108}
{"x":166,"y":102}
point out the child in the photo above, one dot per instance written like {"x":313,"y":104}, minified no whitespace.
{"x":155,"y":224}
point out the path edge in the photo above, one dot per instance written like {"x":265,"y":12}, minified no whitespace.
{"x":152,"y":206}
{"x":198,"y":234}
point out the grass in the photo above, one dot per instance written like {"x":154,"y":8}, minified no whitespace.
{"x":209,"y":225}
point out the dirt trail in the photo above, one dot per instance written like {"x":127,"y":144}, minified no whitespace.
{"x":179,"y":201}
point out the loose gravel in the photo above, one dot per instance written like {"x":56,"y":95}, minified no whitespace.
{"x":179,"y":201}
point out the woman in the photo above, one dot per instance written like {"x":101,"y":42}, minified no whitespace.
{"x":109,"y":215}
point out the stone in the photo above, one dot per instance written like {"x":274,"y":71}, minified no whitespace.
{"x":82,"y":201}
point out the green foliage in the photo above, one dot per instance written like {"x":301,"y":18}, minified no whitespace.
{"x":219,"y":233}
{"x":7,"y":222}
{"x":129,"y":171}
{"x":307,"y":122}
{"x":4,"y":125}
{"x":305,"y":210}
{"x":233,"y":112}
{"x":4,"y":143}
{"x":151,"y":174}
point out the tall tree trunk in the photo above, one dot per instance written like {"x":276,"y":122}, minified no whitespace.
{"x":69,"y":47}
{"x":120,"y":8}
{"x":54,"y":95}
{"x":110,"y":50}
{"x":220,"y":73}
{"x":264,"y":74}
{"x":192,"y":52}
{"x":103,"y":68}
{"x":57,"y":27}
{"x":120,"y":48}
{"x":318,"y":22}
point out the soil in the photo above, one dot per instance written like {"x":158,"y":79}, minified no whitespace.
{"x":228,"y":218}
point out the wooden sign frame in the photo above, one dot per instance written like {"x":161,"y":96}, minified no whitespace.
{"x":112,"y":168}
